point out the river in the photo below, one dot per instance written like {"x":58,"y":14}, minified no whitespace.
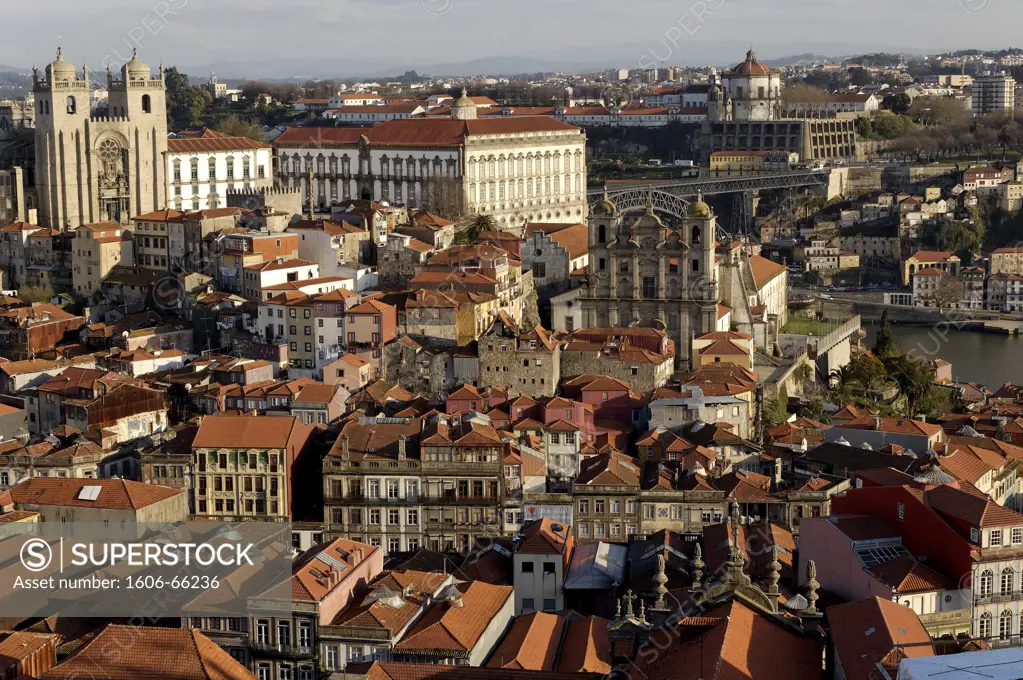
{"x":986,"y":358}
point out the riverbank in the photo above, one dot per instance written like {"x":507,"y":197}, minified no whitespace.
{"x":985,"y":358}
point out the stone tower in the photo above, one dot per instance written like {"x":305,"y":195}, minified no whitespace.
{"x":644,"y":273}
{"x":92,"y":168}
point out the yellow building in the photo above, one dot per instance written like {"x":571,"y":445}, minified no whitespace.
{"x":98,"y":248}
{"x":929,"y":259}
{"x":736,"y":162}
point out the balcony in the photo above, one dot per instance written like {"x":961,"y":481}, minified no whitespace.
{"x":998,"y":597}
{"x":286,"y":651}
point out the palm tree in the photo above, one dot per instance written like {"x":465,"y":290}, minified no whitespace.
{"x":474,"y":226}
{"x":1004,"y":138}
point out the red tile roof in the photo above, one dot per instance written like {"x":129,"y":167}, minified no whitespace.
{"x":247,"y":432}
{"x":456,"y":626}
{"x":867,"y":631}
{"x":149,"y":652}
{"x":115,"y":494}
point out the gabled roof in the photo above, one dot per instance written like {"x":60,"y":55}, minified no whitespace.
{"x":149,"y":652}
{"x":544,"y":537}
{"x":114,"y":494}
{"x":456,"y":626}
{"x":867,"y":631}
{"x":247,"y":432}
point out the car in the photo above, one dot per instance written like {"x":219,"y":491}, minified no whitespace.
{"x":822,"y":296}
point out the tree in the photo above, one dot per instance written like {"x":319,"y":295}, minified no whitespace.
{"x":35,"y":294}
{"x":897,"y":103}
{"x":186,"y":103}
{"x":864,"y":128}
{"x":780,"y":412}
{"x":474,"y":226}
{"x":805,"y":95}
{"x":867,"y":370}
{"x":233,"y":126}
{"x":885,"y":345}
{"x":860,"y":77}
{"x":937,"y":110}
{"x":950,"y":291}
{"x":1005,"y":137}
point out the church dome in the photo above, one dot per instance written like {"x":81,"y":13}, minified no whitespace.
{"x":463,"y":108}
{"x":605,"y":207}
{"x":699,"y":208}
{"x":136,"y":69}
{"x":751,"y":67}
{"x":60,"y":69}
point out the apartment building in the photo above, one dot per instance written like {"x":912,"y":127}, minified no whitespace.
{"x":98,"y":248}
{"x":243,"y":467}
{"x":404,"y":483}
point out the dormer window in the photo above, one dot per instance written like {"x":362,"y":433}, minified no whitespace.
{"x":974,"y":535}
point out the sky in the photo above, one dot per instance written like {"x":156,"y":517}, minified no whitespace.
{"x":275,"y":38}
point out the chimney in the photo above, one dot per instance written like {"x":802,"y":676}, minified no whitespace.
{"x":401,"y":447}
{"x":877,"y":423}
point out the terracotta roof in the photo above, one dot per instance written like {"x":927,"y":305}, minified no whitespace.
{"x":574,"y":238}
{"x":149,"y":652}
{"x":457,"y":626}
{"x":586,"y":647}
{"x":905,"y":575}
{"x":114,"y":494}
{"x":246,"y":432}
{"x":865,"y":633}
{"x":540,"y":538}
{"x":311,"y":571}
{"x":531,"y":643}
{"x":738,"y":642}
{"x":390,"y":670}
{"x":411,"y":586}
{"x":764,"y":270}
{"x":208,"y":144}
{"x":609,"y":469}
{"x":930,"y":256}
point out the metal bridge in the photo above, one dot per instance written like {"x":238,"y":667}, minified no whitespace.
{"x":671,"y":196}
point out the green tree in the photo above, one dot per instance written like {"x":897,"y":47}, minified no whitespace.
{"x":233,"y":126}
{"x":864,"y":128}
{"x":780,"y":413}
{"x":1005,"y":138}
{"x":885,"y":345}
{"x":897,"y":103}
{"x":35,"y":294}
{"x":860,"y":77}
{"x":186,"y":103}
{"x":474,"y":226}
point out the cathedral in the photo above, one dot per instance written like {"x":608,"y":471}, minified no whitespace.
{"x":643,"y":273}
{"x":97,"y":169}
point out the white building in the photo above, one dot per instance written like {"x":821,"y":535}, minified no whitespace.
{"x":339,"y":99}
{"x":259,"y":277}
{"x":517,"y":169}
{"x":994,"y":93}
{"x":540,"y":564}
{"x":201,"y":170}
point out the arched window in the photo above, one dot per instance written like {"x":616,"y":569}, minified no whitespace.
{"x":147,"y":104}
{"x":696,"y":236}
{"x":1005,"y":624}
{"x":1006,"y":582}
{"x":984,"y":625}
{"x":72,"y":107}
{"x":987,"y":579}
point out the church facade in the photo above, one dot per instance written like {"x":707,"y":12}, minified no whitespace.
{"x":645,"y":274}
{"x":104,"y":168}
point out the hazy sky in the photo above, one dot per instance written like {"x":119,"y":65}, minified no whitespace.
{"x":379,"y":34}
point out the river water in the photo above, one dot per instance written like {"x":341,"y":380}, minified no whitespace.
{"x":986,"y":358}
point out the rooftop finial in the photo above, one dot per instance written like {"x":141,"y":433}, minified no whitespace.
{"x":134,"y":52}
{"x":60,"y":52}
